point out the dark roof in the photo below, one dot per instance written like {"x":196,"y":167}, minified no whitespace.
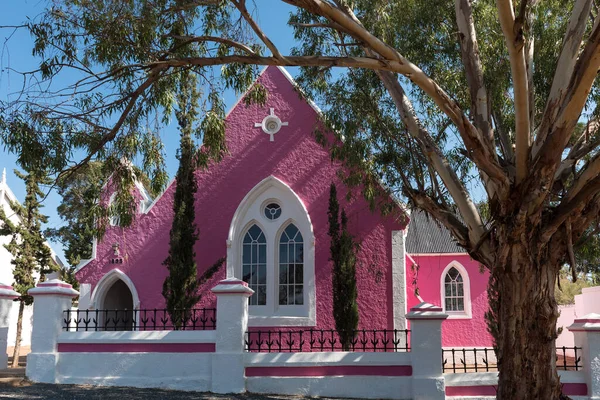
{"x":426,"y":235}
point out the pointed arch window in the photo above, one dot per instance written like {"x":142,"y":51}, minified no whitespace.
{"x":454,"y":289}
{"x":254,"y":264}
{"x":271,"y":246}
{"x":291,"y":267}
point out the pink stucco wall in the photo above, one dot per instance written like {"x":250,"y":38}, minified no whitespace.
{"x":295,"y":158}
{"x":455,"y":332}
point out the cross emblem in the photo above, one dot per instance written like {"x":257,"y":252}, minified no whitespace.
{"x":271,"y":124}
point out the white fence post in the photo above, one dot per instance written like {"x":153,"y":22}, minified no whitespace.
{"x":232,"y":322}
{"x":586,"y":331}
{"x":7,"y":296}
{"x":50,"y":299}
{"x":426,"y":351}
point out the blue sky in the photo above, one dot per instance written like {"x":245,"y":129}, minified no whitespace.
{"x":16,"y":56}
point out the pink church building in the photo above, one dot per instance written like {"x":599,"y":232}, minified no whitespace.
{"x":264,"y":208}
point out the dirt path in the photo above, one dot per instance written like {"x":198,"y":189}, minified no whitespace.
{"x":38,"y":391}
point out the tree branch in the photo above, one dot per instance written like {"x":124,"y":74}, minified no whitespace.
{"x":505,"y":141}
{"x":474,"y":143}
{"x":480,"y":102}
{"x":198,"y":39}
{"x":436,"y":159}
{"x":569,"y":207}
{"x":564,"y":68}
{"x":589,"y":172}
{"x":153,"y":76}
{"x":241,"y":6}
{"x":570,"y":249}
{"x":513,"y":34}
{"x":580,"y":84}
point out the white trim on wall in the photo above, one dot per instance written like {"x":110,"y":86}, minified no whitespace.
{"x":293,"y":210}
{"x":467,"y":314}
{"x":399,"y":279}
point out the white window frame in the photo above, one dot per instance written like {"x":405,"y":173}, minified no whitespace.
{"x":467,"y":313}
{"x":250,"y":212}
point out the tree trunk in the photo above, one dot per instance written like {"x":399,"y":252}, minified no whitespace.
{"x":526,"y":312}
{"x":15,"y":361}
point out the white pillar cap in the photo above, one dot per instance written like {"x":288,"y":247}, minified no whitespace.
{"x":7,"y":292}
{"x":589,"y":322}
{"x":232,"y":286}
{"x":426,"y":310}
{"x":53,"y":287}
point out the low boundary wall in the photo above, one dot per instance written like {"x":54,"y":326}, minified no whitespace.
{"x":165,"y":359}
{"x":218,"y":361}
{"x":381,"y":375}
{"x":483,"y":385}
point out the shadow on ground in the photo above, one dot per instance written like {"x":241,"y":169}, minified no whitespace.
{"x":28,"y":391}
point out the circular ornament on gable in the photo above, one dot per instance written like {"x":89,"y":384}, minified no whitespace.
{"x":272,"y":211}
{"x":271,"y":124}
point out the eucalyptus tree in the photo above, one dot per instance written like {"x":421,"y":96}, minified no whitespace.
{"x":444,"y":101}
{"x":79,"y":210}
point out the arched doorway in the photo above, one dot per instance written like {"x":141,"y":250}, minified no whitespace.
{"x":115,"y":297}
{"x":118,"y":303}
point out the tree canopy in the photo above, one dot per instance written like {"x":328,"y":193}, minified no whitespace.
{"x":473,"y":101}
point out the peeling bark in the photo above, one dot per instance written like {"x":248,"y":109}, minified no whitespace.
{"x":526,"y":309}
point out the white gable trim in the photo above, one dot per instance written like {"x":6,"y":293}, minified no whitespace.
{"x":399,"y":302}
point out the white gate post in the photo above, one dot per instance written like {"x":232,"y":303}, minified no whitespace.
{"x":232,"y":322}
{"x":50,"y":299}
{"x":586,"y":331}
{"x":7,"y":296}
{"x":426,"y":351}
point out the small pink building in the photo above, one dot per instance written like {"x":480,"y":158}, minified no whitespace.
{"x":264,"y":208}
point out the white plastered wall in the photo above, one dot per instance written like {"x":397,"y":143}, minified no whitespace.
{"x":6,"y":273}
{"x":183,"y":371}
{"x":359,"y":386}
{"x":399,"y":279}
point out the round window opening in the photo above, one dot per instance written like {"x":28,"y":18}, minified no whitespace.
{"x":272,"y":211}
{"x":272,"y":124}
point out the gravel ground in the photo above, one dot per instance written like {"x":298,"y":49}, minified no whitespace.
{"x":37,"y":391}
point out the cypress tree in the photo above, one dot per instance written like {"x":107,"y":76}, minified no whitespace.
{"x":30,"y":253}
{"x":180,"y":288}
{"x":343,"y":250}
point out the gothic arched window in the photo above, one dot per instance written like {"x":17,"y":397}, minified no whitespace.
{"x":254,"y":264}
{"x":291,"y":267}
{"x":455,"y":291}
{"x":271,"y":246}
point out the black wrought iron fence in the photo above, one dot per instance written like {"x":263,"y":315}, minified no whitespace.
{"x":318,"y":340}
{"x":137,"y":320}
{"x":484,"y":359}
